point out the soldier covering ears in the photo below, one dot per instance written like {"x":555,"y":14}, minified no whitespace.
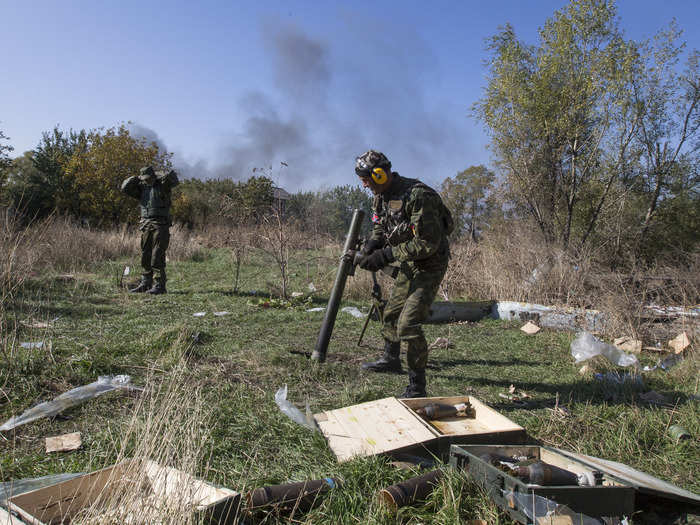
{"x":153,"y":191}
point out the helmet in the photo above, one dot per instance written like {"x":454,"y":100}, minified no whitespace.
{"x":369,"y":160}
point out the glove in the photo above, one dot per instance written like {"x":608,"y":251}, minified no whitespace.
{"x":377,"y":260}
{"x":371,"y":245}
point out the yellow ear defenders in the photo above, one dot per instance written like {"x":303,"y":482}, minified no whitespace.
{"x":379,"y":176}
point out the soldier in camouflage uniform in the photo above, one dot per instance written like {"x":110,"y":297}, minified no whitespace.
{"x":411,"y":226}
{"x":152,"y":189}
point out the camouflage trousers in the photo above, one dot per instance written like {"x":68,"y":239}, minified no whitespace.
{"x":408,"y":306}
{"x":154,"y":242}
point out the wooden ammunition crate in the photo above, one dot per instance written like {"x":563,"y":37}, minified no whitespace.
{"x":142,"y":486}
{"x":391,"y":426}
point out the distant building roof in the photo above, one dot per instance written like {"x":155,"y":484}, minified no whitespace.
{"x":280,"y":194}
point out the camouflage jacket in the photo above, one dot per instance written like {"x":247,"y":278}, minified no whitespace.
{"x":411,"y":217}
{"x":154,"y":199}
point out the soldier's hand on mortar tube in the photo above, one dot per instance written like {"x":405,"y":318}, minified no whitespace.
{"x":377,"y":260}
{"x":371,"y":245}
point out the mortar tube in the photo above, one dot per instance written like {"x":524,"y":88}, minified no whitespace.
{"x":345,"y":268}
{"x":410,"y":491}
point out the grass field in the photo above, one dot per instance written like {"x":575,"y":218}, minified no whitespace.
{"x":212,"y":381}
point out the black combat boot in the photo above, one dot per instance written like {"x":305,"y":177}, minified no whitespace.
{"x":390,"y":361}
{"x":416,"y":384}
{"x":158,"y":288}
{"x":143,"y":286}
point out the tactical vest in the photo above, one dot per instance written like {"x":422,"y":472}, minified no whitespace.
{"x":392,"y":211}
{"x":155,"y":201}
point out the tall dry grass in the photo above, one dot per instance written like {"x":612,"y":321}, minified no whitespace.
{"x":60,"y":244}
{"x":170,"y":428}
{"x":515,"y":266}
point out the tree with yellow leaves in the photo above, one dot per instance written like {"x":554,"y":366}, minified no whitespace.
{"x":98,"y":168}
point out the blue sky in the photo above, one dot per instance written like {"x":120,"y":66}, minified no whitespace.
{"x":232,"y":86}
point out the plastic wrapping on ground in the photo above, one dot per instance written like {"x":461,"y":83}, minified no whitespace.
{"x":586,"y":346}
{"x":620,"y":379}
{"x":70,"y":399}
{"x":354,"y":311}
{"x":20,"y":486}
{"x":666,"y":363}
{"x":293,"y":412}
{"x":536,"y":507}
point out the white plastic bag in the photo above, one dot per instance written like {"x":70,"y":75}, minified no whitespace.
{"x":293,"y":412}
{"x":586,"y":346}
{"x":70,"y":399}
{"x":354,"y":311}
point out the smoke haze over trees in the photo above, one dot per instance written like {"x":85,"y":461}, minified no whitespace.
{"x":595,"y":137}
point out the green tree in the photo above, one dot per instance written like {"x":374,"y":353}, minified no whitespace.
{"x":55,"y":188}
{"x":22,"y":182}
{"x":42,"y":187}
{"x":338,"y":204}
{"x":98,"y":167}
{"x":5,"y":161}
{"x":467,"y":197}
{"x":668,"y":105}
{"x":549,"y":110}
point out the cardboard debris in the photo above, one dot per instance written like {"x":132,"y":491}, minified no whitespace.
{"x":440,"y":342}
{"x":679,"y":343}
{"x":36,"y":324}
{"x":63,"y":443}
{"x":515,"y":396}
{"x":628,"y":344}
{"x":530,"y":328}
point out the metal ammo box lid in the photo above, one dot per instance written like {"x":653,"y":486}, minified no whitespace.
{"x":618,"y":491}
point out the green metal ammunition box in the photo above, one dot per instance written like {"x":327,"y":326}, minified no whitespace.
{"x":609,"y":489}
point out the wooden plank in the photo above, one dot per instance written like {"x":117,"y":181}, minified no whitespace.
{"x":379,"y":426}
{"x":371,"y":428}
